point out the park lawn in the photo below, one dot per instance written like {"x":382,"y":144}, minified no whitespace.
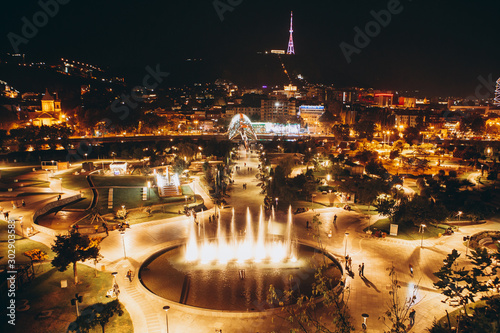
{"x":364,"y":209}
{"x":45,"y":293}
{"x":407,"y":233}
{"x":305,"y":204}
{"x":73,"y":182}
{"x":22,"y":245}
{"x":8,"y":175}
{"x":102,"y":181}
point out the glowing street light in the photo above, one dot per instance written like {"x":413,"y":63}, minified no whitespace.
{"x":422,"y":230}
{"x":166,"y":308}
{"x":345,"y":251}
{"x":459,"y":215}
{"x":123,"y":242}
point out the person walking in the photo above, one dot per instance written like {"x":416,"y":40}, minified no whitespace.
{"x":335,"y":219}
{"x":411,"y":270}
{"x":23,"y":203}
{"x":412,"y":317}
{"x":363,"y":269}
{"x":360,"y":270}
{"x":349,"y":264}
{"x":307,"y":224}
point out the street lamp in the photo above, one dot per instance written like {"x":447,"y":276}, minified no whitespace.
{"x":345,"y":251}
{"x":166,"y":308}
{"x":149,"y":186}
{"x":116,"y":289}
{"x":467,"y":238}
{"x":123,"y":242}
{"x":186,"y":199}
{"x":85,"y":156}
{"x":276,"y":202}
{"x":422,"y":230}
{"x":459,"y":215}
{"x":75,"y":301}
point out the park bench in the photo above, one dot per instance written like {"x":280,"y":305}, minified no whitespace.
{"x":486,"y":240}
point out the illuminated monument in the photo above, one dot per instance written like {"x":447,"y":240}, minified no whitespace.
{"x":291,"y":48}
{"x":241,"y":125}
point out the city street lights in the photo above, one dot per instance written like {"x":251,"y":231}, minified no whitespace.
{"x":166,"y":308}
{"x":276,"y":202}
{"x":115,"y":289}
{"x":459,"y":215}
{"x":345,"y":251}
{"x":149,"y":186}
{"x":422,"y":230}
{"x":123,"y":242}
{"x":467,"y":239}
{"x":75,"y":301}
{"x":85,"y":156}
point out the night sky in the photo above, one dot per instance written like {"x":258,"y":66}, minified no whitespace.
{"x":438,"y":47}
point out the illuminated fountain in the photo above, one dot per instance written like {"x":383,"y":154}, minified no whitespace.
{"x":230,"y":265}
{"x":226,"y":248}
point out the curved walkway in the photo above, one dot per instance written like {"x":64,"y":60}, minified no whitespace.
{"x":369,"y":295}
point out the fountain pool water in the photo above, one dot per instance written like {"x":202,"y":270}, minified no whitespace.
{"x":233,"y":269}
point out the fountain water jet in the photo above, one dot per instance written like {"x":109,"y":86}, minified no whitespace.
{"x":223,"y":249}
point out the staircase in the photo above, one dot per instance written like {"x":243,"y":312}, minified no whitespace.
{"x":169,"y":191}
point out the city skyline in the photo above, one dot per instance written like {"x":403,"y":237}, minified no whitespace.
{"x":439,"y":49}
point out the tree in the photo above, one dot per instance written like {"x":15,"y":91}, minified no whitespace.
{"x":375,"y":167}
{"x":398,"y":311}
{"x":459,"y":283}
{"x":97,"y":314}
{"x":365,"y":129}
{"x":385,"y":206}
{"x":36,"y":255}
{"x":341,"y":131}
{"x":303,"y":315}
{"x":69,"y":249}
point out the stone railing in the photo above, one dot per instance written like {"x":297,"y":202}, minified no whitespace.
{"x":47,"y":208}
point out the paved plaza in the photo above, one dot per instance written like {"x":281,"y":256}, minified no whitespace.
{"x":369,"y":295}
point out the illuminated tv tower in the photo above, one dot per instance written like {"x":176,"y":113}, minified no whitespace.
{"x":291,"y":48}
{"x":497,"y":94}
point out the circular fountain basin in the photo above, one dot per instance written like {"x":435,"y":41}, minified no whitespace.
{"x":231,"y":286}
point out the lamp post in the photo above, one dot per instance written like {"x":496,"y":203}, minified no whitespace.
{"x":276,"y":202}
{"x":149,"y":186}
{"x":466,"y":238}
{"x":123,"y":242}
{"x":75,"y":301}
{"x":345,"y":251}
{"x":85,"y":156}
{"x":422,"y":230}
{"x":186,"y":200}
{"x":116,"y":289}
{"x":166,"y":308}
{"x":459,"y":215}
